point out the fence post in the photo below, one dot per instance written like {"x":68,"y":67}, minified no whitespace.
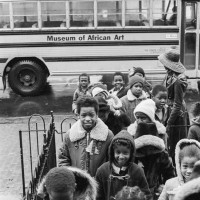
{"x":22,"y":162}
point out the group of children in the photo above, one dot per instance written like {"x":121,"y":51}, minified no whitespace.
{"x":121,"y":142}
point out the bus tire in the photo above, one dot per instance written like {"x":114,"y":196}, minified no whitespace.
{"x":27,"y":78}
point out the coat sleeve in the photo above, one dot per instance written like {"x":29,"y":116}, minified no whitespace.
{"x":192,"y":133}
{"x":101,"y":193}
{"x":63,"y":154}
{"x":163,"y":195}
{"x":75,"y":97}
{"x":167,"y":168}
{"x":178,"y":100}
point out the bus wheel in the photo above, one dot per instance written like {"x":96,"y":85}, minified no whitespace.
{"x":27,"y":78}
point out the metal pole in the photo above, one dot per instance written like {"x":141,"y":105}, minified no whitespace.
{"x":22,"y":162}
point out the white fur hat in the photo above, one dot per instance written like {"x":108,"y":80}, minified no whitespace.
{"x":147,"y":107}
{"x":98,"y":90}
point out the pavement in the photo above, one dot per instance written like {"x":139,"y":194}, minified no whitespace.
{"x":10,"y":167}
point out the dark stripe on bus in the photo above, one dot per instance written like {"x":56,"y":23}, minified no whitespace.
{"x":3,"y":60}
{"x":99,"y":58}
{"x":89,"y":31}
{"x":101,"y":43}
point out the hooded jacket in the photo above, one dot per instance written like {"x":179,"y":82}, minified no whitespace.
{"x":173,"y":185}
{"x":129,"y":102}
{"x":86,"y":186}
{"x":194,"y":130}
{"x":152,"y":156}
{"x":110,"y":182}
{"x":74,"y":150}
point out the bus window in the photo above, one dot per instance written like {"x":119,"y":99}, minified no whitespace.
{"x":24,"y":14}
{"x":81,"y":14}
{"x":53,"y":13}
{"x":4,"y":15}
{"x":164,"y":13}
{"x":190,"y":16}
{"x":109,"y":13}
{"x":137,"y":13}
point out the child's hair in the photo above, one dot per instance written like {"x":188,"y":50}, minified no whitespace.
{"x":130,"y":193}
{"x":60,"y":179}
{"x":158,"y":88}
{"x":84,"y":74}
{"x":191,"y":150}
{"x":119,"y":74}
{"x":87,"y":101}
{"x":195,"y":110}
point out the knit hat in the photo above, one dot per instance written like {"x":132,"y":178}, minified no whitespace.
{"x":135,"y":79}
{"x":171,"y":60}
{"x":103,"y":105}
{"x":147,"y":135}
{"x":147,"y":107}
{"x":98,"y":90}
{"x":139,"y":70}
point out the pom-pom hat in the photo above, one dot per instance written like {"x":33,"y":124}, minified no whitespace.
{"x":171,"y":60}
{"x":139,"y":70}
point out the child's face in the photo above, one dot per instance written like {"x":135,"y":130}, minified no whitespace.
{"x":141,"y":117}
{"x":187,"y":165}
{"x":118,"y":81}
{"x":122,"y":155}
{"x":147,"y":150}
{"x":139,"y":74}
{"x":136,"y":89}
{"x":61,"y":196}
{"x":103,"y":115}
{"x":160,"y":99}
{"x":88,"y":117}
{"x":84,"y":82}
{"x":101,"y":95}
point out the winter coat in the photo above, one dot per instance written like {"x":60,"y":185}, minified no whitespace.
{"x":89,"y":191}
{"x":79,"y":92}
{"x":189,"y":189}
{"x":178,"y":119}
{"x":194,"y":130}
{"x":173,"y":185}
{"x":122,"y":92}
{"x":75,"y":152}
{"x":117,"y":123}
{"x":160,"y":127}
{"x":111,"y":182}
{"x":129,"y":102}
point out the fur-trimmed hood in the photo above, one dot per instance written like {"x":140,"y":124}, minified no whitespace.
{"x":160,"y":127}
{"x":99,"y":132}
{"x":86,"y":186}
{"x":132,"y":97}
{"x":177,"y":154}
{"x":121,"y":135}
{"x":188,"y":189}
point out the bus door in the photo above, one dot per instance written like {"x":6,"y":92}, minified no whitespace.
{"x":190,"y":42}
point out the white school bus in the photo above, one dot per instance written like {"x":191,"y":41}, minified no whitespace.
{"x":42,"y":38}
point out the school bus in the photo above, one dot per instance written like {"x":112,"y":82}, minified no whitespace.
{"x":42,"y":38}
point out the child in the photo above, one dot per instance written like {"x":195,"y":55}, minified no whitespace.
{"x":119,"y":85}
{"x":67,"y":183}
{"x":113,"y":101}
{"x":145,"y":112}
{"x":191,"y":190}
{"x":114,"y":123}
{"x":84,"y":81}
{"x":186,"y":154}
{"x":159,"y":96}
{"x":140,"y":72}
{"x":120,"y":170}
{"x":86,"y":144}
{"x":194,"y":130}
{"x":134,"y":96}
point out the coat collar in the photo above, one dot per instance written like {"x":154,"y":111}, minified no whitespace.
{"x":99,"y":132}
{"x":132,"y":97}
{"x":177,"y":152}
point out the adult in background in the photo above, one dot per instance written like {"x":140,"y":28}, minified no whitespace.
{"x":176,"y":84}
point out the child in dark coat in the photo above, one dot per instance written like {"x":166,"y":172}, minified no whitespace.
{"x":152,"y":156}
{"x":194,"y":130}
{"x":120,"y":170}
